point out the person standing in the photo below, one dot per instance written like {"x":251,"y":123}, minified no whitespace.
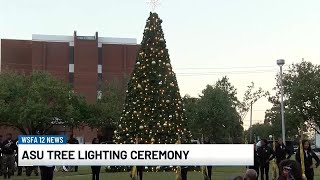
{"x":309,"y":155}
{"x":140,"y":172}
{"x":1,"y":155}
{"x":46,"y":172}
{"x":184,"y":169}
{"x":265,"y":154}
{"x":184,"y":172}
{"x":209,"y":171}
{"x":8,"y":148}
{"x":17,"y":160}
{"x":281,"y":153}
{"x":73,"y":140}
{"x":256,"y":161}
{"x":209,"y":168}
{"x":140,"y":168}
{"x":95,"y":170}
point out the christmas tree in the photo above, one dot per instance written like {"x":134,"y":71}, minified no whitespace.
{"x":153,"y":109}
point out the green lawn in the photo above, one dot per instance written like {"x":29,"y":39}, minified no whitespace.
{"x":219,"y":173}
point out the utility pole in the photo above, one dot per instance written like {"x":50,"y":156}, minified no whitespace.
{"x":250,"y":123}
{"x":280,"y":63}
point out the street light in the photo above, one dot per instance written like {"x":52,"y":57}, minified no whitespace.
{"x":270,"y":137}
{"x":280,"y":63}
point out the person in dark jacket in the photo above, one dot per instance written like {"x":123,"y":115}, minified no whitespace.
{"x":8,"y":148}
{"x":95,"y":170}
{"x":47,"y":172}
{"x":140,"y":172}
{"x":73,"y":140}
{"x":29,"y":169}
{"x":17,"y":160}
{"x":265,"y":154}
{"x":256,"y":165}
{"x":290,"y":170}
{"x":184,"y":172}
{"x":309,"y":155}
{"x":184,"y":169}
{"x":281,"y":153}
{"x":140,"y":168}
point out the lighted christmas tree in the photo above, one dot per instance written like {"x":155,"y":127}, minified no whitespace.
{"x":153,"y":109}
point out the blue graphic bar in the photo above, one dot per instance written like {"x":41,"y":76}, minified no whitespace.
{"x":39,"y":139}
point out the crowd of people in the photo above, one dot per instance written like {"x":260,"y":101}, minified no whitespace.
{"x":263,"y":154}
{"x":9,"y":157}
{"x":288,"y":169}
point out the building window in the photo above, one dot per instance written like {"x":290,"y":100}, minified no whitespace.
{"x":71,"y":68}
{"x":99,"y":69}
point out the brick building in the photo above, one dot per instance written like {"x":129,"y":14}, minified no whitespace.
{"x":83,"y":61}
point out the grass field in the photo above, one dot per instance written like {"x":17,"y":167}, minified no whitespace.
{"x":219,"y":173}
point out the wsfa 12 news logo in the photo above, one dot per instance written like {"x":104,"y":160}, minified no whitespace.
{"x":42,"y":140}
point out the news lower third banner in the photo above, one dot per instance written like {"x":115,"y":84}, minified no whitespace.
{"x":53,"y":150}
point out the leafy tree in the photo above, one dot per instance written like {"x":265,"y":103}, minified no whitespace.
{"x":34,"y":103}
{"x":214,"y":114}
{"x":301,"y":89}
{"x":273,"y":118}
{"x":78,"y":110}
{"x":153,"y":108}
{"x":250,"y":97}
{"x":108,"y":109}
{"x":191,"y":106}
{"x":219,"y":115}
{"x":223,"y":88}
{"x":261,"y":131}
{"x":224,"y":85}
{"x":301,"y":84}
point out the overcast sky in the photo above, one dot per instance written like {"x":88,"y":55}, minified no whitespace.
{"x":206,"y":38}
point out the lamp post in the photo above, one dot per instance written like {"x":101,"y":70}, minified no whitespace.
{"x":270,"y":137}
{"x":280,"y":63}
